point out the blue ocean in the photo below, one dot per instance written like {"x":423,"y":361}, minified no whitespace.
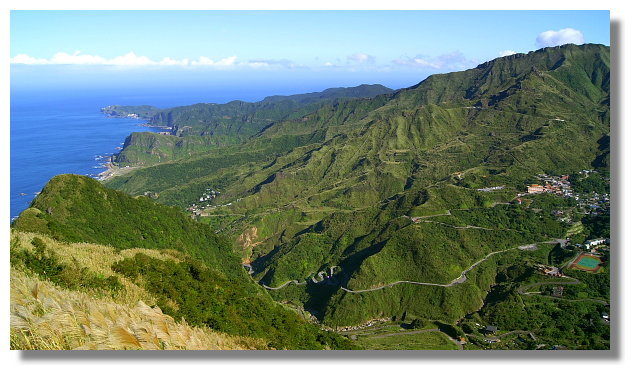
{"x":63,"y":131}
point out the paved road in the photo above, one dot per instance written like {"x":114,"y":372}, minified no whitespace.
{"x":459,"y":280}
{"x":249,"y":268}
{"x":456,"y":227}
{"x":322,"y":275}
{"x":296,"y":282}
{"x":413,"y":218}
{"x":530,"y":333}
{"x":469,"y":226}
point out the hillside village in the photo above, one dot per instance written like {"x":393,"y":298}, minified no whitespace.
{"x":591,"y":203}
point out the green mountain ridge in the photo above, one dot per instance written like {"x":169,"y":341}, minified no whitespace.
{"x":359,"y":209}
{"x":419,"y":151}
{"x":202,"y":127}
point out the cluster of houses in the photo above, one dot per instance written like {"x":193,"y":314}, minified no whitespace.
{"x":594,"y":204}
{"x":559,"y":185}
{"x":203,"y":202}
{"x":151,"y":194}
{"x":209,"y":195}
{"x":593,"y":244}
{"x":591,"y":204}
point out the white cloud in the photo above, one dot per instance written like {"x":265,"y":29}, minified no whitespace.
{"x":168,"y":61}
{"x":426,"y":63}
{"x":77,"y":58}
{"x":273,"y":63}
{"x":129,"y":59}
{"x":454,"y":60}
{"x":553,"y":38}
{"x":259,"y":64}
{"x":206,"y":61}
{"x":27,"y":60}
{"x":362,"y":58}
{"x":506,"y":52}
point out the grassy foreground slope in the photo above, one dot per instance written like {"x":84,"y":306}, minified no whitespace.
{"x":66,"y":296}
{"x":207,"y":287}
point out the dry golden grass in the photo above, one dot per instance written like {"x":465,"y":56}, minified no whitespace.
{"x":47,"y":317}
{"x":99,"y":259}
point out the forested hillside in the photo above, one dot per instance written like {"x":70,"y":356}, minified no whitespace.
{"x":335,"y":191}
{"x":206,"y":126}
{"x":358,"y":205}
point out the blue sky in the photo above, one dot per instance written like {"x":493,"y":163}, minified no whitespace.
{"x":396,"y":48}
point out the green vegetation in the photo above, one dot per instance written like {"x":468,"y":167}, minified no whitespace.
{"x":46,"y":264}
{"x":245,"y":119}
{"x":79,"y":209}
{"x":345,"y":202}
{"x":189,"y":290}
{"x":550,"y":202}
{"x":417,"y":341}
{"x":208,"y":287}
{"x":51,"y":311}
{"x":575,"y":325}
{"x":594,"y":285}
{"x":598,"y":226}
{"x":514,"y":218}
{"x":330,"y":188}
{"x":570,"y":318}
{"x":204,"y":127}
{"x":593,"y":183}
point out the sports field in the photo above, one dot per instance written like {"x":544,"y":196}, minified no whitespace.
{"x":587,"y":262}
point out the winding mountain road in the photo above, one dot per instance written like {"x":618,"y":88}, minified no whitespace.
{"x":296,"y":282}
{"x":459,"y":280}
